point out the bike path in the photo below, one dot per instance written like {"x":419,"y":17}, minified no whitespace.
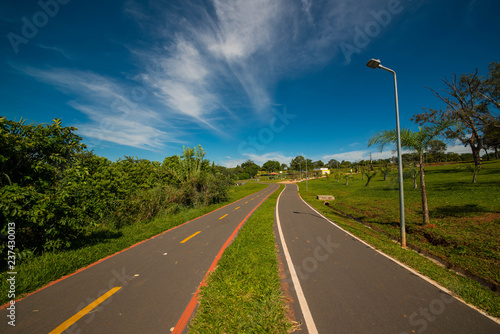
{"x":342,"y":285}
{"x":150,"y":283}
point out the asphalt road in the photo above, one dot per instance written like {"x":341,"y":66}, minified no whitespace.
{"x":344,"y":286}
{"x":148,"y":286}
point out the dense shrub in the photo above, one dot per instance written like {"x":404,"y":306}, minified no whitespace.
{"x":56,"y":191}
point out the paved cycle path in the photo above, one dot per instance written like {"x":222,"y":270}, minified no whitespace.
{"x":341,"y":285}
{"x":147,"y":286}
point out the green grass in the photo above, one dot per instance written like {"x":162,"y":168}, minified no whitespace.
{"x":243,"y":294}
{"x":38,"y":271}
{"x":465,"y":223}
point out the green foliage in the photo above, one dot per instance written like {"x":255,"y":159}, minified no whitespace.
{"x":271,"y":166}
{"x":56,"y":192}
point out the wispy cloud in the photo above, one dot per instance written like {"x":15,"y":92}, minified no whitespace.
{"x":259,"y":159}
{"x":225,"y":54}
{"x":205,"y":63}
{"x":61,"y":51}
{"x":114,"y":117}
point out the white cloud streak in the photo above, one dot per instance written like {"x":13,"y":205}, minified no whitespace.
{"x":205,"y":61}
{"x":113,"y":116}
{"x":226,"y":54}
{"x":259,"y":159}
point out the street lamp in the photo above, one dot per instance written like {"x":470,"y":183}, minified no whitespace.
{"x":306,"y":176}
{"x":375,"y":63}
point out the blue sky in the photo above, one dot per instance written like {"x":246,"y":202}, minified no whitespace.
{"x":246,"y":79}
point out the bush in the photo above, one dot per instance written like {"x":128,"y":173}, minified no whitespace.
{"x":56,"y":192}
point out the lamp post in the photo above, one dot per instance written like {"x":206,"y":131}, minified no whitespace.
{"x":306,"y":176}
{"x":375,"y":63}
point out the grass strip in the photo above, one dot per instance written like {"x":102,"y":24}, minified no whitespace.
{"x":467,"y":289}
{"x":38,"y":271}
{"x":243,"y":294}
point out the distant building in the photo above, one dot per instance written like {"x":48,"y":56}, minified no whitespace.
{"x":323,"y":171}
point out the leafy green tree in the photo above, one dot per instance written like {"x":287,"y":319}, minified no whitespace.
{"x":491,"y":88}
{"x":436,"y":149}
{"x":318,"y":164}
{"x":271,"y":166}
{"x":298,"y":163}
{"x":36,"y":153}
{"x":417,"y":141}
{"x":333,"y":163}
{"x":491,"y":137}
{"x":250,"y":167}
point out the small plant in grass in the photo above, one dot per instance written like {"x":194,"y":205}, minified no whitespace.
{"x":369,"y":175}
{"x":412,"y":173}
{"x":338,"y":176}
{"x":386,"y":170}
{"x":347,"y":177}
{"x":417,"y":141}
{"x":474,"y":170}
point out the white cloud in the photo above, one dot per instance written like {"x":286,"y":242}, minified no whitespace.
{"x":354,"y":156}
{"x":232,"y":53}
{"x":259,"y":159}
{"x":113,"y":116}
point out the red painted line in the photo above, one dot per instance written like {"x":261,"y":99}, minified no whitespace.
{"x":110,"y":256}
{"x":188,"y":312}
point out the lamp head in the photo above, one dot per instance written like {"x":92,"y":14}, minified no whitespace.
{"x":373,"y":63}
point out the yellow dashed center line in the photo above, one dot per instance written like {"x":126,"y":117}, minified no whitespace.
{"x":246,"y":202}
{"x":237,"y":208}
{"x":65,"y":325}
{"x":223,"y":216}
{"x":183,"y":241}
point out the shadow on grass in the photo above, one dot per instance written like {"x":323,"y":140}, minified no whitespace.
{"x":457,"y":210}
{"x":95,"y":237}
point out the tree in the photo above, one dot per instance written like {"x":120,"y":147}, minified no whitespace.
{"x":298,"y":163}
{"x":386,"y":170}
{"x":412,"y":173}
{"x":369,"y":176}
{"x":491,"y":137}
{"x":437,"y":148}
{"x":492,"y":85}
{"x":250,"y":167}
{"x":417,"y":141}
{"x":271,"y":166}
{"x":318,"y":164}
{"x":467,"y":98}
{"x":332,"y":163}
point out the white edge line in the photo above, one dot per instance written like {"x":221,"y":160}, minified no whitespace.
{"x":436,"y":284}
{"x":311,"y":326}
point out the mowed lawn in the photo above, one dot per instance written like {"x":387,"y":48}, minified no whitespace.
{"x":465,"y":217}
